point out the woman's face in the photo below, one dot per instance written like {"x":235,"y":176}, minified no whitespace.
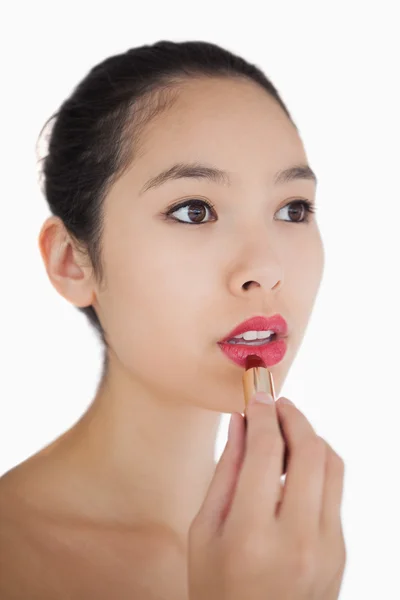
{"x":174,"y":289}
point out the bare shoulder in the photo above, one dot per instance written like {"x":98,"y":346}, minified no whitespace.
{"x":21,"y":556}
{"x":36,"y":558}
{"x":45,"y":556}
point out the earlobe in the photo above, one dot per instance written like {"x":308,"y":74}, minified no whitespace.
{"x":65,"y":265}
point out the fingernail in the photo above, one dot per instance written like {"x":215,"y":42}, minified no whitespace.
{"x":262,"y":397}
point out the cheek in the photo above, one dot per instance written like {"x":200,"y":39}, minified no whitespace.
{"x":303,"y":276}
{"x":154,"y":310}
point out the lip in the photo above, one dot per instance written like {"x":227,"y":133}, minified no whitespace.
{"x":270,"y":353}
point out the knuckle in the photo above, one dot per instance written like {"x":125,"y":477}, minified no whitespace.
{"x":251,"y":551}
{"x":335,"y":542}
{"x":320,"y":444}
{"x":304,"y":563}
{"x":336,"y":461}
{"x":253,"y":548}
{"x":338,"y":464}
{"x":340,"y":553}
{"x":313,"y":446}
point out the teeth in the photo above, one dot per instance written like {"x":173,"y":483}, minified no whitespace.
{"x":254,"y":335}
{"x":253,"y":338}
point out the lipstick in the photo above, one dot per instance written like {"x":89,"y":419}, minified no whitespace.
{"x":256,"y":378}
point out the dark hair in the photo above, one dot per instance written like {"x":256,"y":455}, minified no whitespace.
{"x":97,"y":132}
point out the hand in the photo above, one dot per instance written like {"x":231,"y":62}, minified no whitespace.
{"x":246,"y":544}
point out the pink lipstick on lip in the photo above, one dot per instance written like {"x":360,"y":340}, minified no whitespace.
{"x":271,"y":352}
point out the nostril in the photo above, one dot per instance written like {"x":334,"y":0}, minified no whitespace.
{"x":248,"y":284}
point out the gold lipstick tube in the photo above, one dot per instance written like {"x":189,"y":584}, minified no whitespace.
{"x":256,"y":379}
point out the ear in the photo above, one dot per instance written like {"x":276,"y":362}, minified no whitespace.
{"x":69,"y":271}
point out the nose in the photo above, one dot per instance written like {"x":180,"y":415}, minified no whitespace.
{"x":257,"y":268}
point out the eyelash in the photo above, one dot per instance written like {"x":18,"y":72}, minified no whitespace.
{"x":310,"y":208}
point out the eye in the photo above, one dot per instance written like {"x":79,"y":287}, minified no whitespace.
{"x":301,"y":207}
{"x":198,"y":211}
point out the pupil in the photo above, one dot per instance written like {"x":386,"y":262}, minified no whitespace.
{"x":298,"y":210}
{"x":199,"y":211}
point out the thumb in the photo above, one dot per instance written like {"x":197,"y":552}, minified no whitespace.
{"x":215,"y":507}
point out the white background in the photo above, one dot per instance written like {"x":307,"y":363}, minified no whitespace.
{"x":336,"y":66}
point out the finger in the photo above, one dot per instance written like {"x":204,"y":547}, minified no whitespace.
{"x":258,"y":487}
{"x":333,"y":492}
{"x":301,"y":503}
{"x":216,"y":504}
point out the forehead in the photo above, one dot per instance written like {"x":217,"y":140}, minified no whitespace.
{"x":223,"y":119}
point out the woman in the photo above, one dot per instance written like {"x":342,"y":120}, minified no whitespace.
{"x":182,"y":205}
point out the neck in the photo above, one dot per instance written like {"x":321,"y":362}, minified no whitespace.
{"x":144,"y":460}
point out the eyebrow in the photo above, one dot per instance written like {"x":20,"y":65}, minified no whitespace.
{"x":202,"y":171}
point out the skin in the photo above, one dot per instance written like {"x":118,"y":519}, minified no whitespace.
{"x":141,"y":458}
